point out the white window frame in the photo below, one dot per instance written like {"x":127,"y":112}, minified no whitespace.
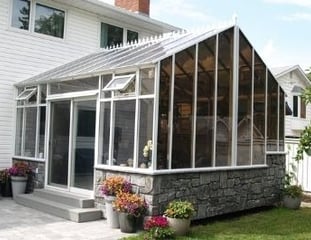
{"x":31,"y":91}
{"x":129,"y":78}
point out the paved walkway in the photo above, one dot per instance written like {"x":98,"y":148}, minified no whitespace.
{"x":19,"y":222}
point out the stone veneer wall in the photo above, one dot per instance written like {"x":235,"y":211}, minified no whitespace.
{"x":213,"y":192}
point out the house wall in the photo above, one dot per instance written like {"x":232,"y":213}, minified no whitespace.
{"x":24,"y":54}
{"x":293,"y":125}
{"x":301,"y":169}
{"x":214,"y":192}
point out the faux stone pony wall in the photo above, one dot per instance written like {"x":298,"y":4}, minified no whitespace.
{"x":213,"y":192}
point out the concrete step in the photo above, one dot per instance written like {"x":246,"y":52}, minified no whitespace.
{"x":62,"y":210}
{"x":70,"y":199}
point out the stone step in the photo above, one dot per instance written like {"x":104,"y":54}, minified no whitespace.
{"x":59,"y":209}
{"x":67,"y":198}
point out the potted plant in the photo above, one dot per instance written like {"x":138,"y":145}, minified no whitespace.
{"x":131,"y":208}
{"x":5,"y":182}
{"x":110,"y":187}
{"x":178,"y":213}
{"x":19,"y":175}
{"x":292,"y":194}
{"x":157,"y":228}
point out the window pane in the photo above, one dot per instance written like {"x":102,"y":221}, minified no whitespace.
{"x":49,"y":21}
{"x":272,"y":115}
{"x":30,"y":131}
{"x":146,"y":81}
{"x":244,"y":102}
{"x":132,"y":36}
{"x":295,"y":106}
{"x":105,"y":111}
{"x":164,"y":103}
{"x":281,"y":119}
{"x":42,"y":132}
{"x":145,"y":133}
{"x":110,"y":35}
{"x":20,"y":14}
{"x":43,"y":94}
{"x":205,"y":103}
{"x":75,"y":85}
{"x":105,"y":80}
{"x":123,"y":151}
{"x":18,"y":136}
{"x":182,"y":112}
{"x":259,"y":111}
{"x":224,"y":99}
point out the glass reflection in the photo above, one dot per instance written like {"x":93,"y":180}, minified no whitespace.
{"x":20,"y":14}
{"x":224,"y":99}
{"x":272,"y":114}
{"x":244,"y":102}
{"x":105,"y":111}
{"x":205,"y":103}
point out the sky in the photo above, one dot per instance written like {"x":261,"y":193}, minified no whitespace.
{"x":278,"y":29}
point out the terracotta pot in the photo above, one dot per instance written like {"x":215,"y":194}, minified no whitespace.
{"x":179,"y":226}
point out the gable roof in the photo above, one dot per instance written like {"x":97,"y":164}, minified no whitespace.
{"x":144,"y":52}
{"x":281,"y":71}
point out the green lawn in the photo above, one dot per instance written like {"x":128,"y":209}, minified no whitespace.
{"x":276,"y":223}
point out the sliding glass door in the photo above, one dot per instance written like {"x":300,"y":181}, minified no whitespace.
{"x":71,"y":144}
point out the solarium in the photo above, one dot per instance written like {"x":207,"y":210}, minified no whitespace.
{"x":206,"y":106}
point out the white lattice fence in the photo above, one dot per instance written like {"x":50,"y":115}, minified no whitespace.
{"x":302,"y":169}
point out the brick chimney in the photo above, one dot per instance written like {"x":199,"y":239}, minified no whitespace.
{"x":138,"y":6}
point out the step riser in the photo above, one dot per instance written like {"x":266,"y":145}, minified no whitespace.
{"x":59,"y":209}
{"x":68,"y":200}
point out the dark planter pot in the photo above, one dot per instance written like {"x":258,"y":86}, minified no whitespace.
{"x":6,"y":189}
{"x":128,"y":223}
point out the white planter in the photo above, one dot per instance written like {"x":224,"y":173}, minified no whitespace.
{"x":179,"y":226}
{"x":111,"y":214}
{"x":18,"y":185}
{"x":292,"y":203}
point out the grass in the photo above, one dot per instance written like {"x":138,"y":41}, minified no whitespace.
{"x":275,"y":223}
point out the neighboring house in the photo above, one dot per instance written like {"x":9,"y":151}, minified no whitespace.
{"x":294,"y":80}
{"x":205,"y":101}
{"x":38,"y":35}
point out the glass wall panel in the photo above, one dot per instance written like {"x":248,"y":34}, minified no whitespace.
{"x":43,"y":94}
{"x":281,"y":120}
{"x":145,"y":133}
{"x":105,"y":80}
{"x":205,"y":103}
{"x":146,"y":81}
{"x":259,"y":122}
{"x":30,"y":131}
{"x":105,"y":111}
{"x":49,"y":21}
{"x":164,"y":103}
{"x":224,"y":98}
{"x":19,"y":132}
{"x":244,"y":102}
{"x":75,"y":85}
{"x":123,"y":151}
{"x":42,"y":132}
{"x":20,"y":14}
{"x":182,"y":112}
{"x":272,"y":114}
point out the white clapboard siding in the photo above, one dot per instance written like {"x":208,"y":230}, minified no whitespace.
{"x":302,"y":169}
